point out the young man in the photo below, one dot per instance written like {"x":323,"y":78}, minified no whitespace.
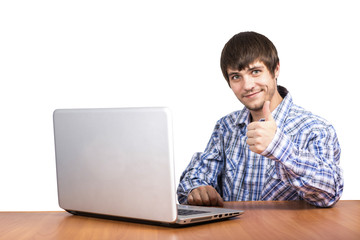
{"x":272,"y":149}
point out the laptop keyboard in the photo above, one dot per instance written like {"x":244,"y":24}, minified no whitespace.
{"x":183,"y":212}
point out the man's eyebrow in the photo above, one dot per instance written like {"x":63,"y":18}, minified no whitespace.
{"x":233,"y":73}
{"x":255,"y":67}
{"x":247,"y":69}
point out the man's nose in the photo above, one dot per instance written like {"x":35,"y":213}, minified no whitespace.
{"x":249,"y":83}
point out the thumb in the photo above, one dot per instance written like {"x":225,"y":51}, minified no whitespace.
{"x":267,"y":112}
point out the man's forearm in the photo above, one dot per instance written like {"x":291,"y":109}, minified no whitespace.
{"x":313,"y":172}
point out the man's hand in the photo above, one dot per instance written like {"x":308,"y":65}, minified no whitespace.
{"x":260,"y":134}
{"x":205,"y":195}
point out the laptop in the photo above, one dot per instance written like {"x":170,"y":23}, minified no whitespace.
{"x":118,"y":163}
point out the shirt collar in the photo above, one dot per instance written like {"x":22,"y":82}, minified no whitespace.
{"x":279,"y":114}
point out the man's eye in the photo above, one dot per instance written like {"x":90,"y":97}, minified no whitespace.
{"x":235,"y":77}
{"x":256,"y":72}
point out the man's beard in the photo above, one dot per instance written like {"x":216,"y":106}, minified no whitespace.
{"x":259,"y":106}
{"x":256,"y":107}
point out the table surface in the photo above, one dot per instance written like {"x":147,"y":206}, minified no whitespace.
{"x":261,"y":220}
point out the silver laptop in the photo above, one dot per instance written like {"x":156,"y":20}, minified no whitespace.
{"x":119,"y":163}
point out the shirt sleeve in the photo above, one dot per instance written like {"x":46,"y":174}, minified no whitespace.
{"x":203,"y":168}
{"x":310,"y":163}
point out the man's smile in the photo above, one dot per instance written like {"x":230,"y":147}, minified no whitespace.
{"x":252,"y":94}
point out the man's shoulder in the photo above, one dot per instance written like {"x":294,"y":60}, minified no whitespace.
{"x":302,"y":114}
{"x":300,"y":119}
{"x":229,"y":121}
{"x":232,"y":116}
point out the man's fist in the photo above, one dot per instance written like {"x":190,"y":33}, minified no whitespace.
{"x":260,"y":134}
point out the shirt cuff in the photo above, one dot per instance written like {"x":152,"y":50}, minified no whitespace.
{"x":280,"y":147}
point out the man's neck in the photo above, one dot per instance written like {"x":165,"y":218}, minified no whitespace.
{"x":275,"y":101}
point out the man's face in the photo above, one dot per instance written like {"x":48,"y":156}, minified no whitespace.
{"x":253,"y":85}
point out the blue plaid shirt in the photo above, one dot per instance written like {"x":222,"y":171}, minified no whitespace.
{"x":301,"y":162}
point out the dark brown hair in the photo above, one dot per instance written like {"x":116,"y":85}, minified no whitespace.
{"x":245,"y":48}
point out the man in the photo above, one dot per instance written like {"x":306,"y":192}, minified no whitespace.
{"x":272,"y":149}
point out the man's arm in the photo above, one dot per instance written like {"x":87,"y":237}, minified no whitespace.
{"x":313,"y":170}
{"x":199,"y":181}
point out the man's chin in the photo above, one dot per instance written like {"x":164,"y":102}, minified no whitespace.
{"x":254,"y":104}
{"x":255,"y":107}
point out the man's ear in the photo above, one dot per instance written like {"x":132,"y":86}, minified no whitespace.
{"x":277,"y":71}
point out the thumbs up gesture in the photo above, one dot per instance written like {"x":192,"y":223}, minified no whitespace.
{"x":260,"y":134}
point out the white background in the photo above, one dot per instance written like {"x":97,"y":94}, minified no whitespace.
{"x":70,"y":54}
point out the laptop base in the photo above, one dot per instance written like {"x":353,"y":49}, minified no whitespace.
{"x":141,"y":221}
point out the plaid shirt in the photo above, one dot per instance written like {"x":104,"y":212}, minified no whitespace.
{"x":301,"y":162}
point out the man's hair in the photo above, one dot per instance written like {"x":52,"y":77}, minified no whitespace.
{"x":245,"y":48}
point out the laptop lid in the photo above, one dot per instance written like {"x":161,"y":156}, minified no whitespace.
{"x":116,"y":162}
{"x":119,"y":163}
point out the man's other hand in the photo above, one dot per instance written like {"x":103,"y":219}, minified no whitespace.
{"x":205,"y":196}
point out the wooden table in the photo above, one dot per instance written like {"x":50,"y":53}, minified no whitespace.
{"x":261,"y":220}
